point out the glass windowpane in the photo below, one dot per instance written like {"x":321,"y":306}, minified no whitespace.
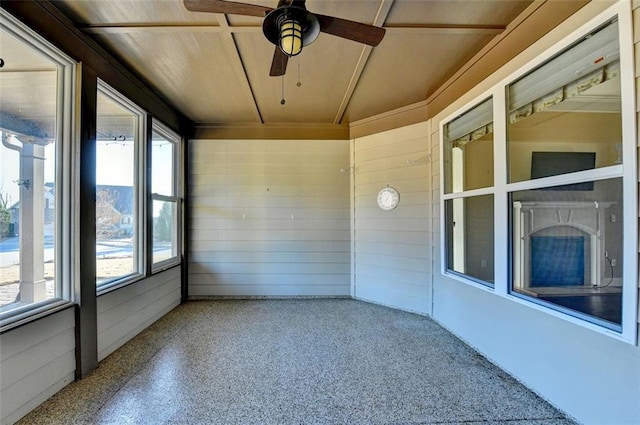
{"x":567,"y":247}
{"x":468,"y":149}
{"x":469,"y":236}
{"x":565,"y":116}
{"x":28,"y":215}
{"x":162,"y":165}
{"x":116,"y":209}
{"x":164,"y":231}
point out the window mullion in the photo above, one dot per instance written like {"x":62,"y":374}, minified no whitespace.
{"x":501,"y":210}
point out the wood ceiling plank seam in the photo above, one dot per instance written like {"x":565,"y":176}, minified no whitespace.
{"x":132,"y":29}
{"x":381,"y":16}
{"x":444,"y":30}
{"x":236,"y":61}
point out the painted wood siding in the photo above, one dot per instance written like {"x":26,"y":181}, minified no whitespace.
{"x":269,"y":218}
{"x":393,"y":248}
{"x":516,"y":335}
{"x":125,"y":312}
{"x":36,"y":361}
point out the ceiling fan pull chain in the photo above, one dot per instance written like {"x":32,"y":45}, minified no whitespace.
{"x":299,"y":83}
{"x":282,"y":102}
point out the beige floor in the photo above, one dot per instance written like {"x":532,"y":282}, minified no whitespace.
{"x":295,"y":362}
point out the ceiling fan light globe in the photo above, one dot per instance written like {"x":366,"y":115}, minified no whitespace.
{"x":290,"y":37}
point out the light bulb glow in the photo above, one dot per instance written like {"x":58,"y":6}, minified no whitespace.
{"x":290,"y":37}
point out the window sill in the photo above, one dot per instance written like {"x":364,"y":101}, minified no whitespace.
{"x":36,"y":312}
{"x":117,"y":284}
{"x":165,"y":265}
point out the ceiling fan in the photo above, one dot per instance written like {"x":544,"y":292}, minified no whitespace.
{"x":290,"y":26}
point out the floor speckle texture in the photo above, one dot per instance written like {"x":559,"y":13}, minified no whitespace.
{"x":295,"y":362}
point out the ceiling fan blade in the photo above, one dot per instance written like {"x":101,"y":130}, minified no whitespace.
{"x":279,"y":63}
{"x":222,"y":6}
{"x":356,"y":31}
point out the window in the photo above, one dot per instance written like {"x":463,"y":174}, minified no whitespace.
{"x":165,"y":191}
{"x":36,"y":109}
{"x":559,"y":206}
{"x":564,"y":136}
{"x":468,"y":182}
{"x":119,"y":181}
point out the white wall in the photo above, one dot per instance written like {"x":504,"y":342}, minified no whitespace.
{"x":590,"y":375}
{"x":36,"y":361}
{"x":392,"y":248}
{"x":269,"y":218}
{"x":124,"y":313}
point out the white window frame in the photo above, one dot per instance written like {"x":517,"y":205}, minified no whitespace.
{"x":176,"y":197}
{"x":461,"y":194}
{"x":66,"y":227}
{"x":501,"y":190}
{"x":140,"y":184}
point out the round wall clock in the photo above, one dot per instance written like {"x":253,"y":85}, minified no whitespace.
{"x":388,"y":198}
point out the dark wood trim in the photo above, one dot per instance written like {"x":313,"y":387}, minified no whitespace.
{"x":184,"y":211}
{"x":281,"y":131}
{"x":148,"y":198}
{"x":44,"y":18}
{"x":85,"y":287}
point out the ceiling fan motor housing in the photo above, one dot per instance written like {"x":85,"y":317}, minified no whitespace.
{"x":272,"y":23}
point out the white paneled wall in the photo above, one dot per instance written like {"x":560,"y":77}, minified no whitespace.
{"x":124,"y":313}
{"x":560,"y":360}
{"x":393,"y":248}
{"x":36,"y":361}
{"x":269,"y":218}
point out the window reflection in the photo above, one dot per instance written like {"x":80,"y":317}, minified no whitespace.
{"x":30,"y":110}
{"x":564,"y":121}
{"x":568,"y":110}
{"x":116,"y":207}
{"x":469,"y":233}
{"x":468,"y":149}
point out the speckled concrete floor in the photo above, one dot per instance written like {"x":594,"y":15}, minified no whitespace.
{"x":295,"y":362}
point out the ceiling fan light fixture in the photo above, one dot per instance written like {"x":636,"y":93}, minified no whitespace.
{"x":290,"y":36}
{"x":291,"y":28}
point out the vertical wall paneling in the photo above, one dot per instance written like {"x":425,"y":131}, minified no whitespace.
{"x":124,"y":313}
{"x":393,"y":248}
{"x":36,"y":361}
{"x":269,"y":218}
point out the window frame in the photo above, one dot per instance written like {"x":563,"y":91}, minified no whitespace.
{"x":502,"y":189}
{"x":463,"y":194}
{"x":176,"y":141}
{"x":140,"y":188}
{"x":66,"y":173}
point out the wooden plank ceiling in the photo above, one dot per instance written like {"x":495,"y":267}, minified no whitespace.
{"x":215,"y":67}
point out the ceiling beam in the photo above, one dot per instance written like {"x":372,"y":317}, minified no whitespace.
{"x":420,"y":29}
{"x":444,"y":29}
{"x":381,"y":16}
{"x":238,"y":66}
